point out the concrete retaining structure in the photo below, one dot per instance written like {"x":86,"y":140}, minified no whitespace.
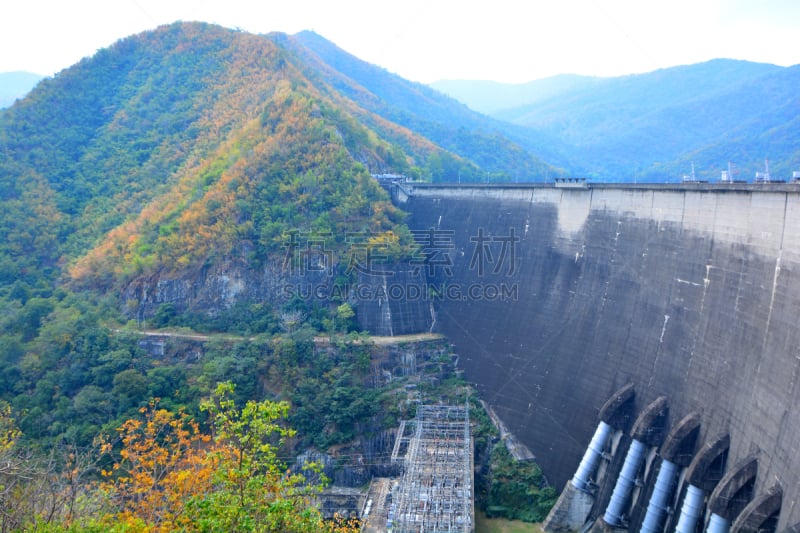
{"x":555,"y":298}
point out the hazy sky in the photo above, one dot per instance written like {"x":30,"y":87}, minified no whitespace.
{"x":428,"y":40}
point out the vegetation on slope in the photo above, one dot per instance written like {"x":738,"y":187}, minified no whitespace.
{"x":515,"y":490}
{"x":168,"y":154}
{"x":181,"y":146}
{"x":500,"y":152}
{"x":162,"y":473}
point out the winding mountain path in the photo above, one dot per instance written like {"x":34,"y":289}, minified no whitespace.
{"x":201,"y":337}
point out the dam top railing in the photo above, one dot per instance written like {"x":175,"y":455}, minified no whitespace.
{"x":410,"y":187}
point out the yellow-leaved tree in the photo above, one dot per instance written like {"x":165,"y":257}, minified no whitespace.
{"x":172,"y":477}
{"x":163,"y":462}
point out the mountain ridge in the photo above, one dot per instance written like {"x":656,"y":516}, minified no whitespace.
{"x":491,"y":97}
{"x":506,"y":153}
{"x":652,"y":126}
{"x":194,"y":176}
{"x":135,"y":124}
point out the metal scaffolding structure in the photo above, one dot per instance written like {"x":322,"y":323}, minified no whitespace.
{"x":435,"y":493}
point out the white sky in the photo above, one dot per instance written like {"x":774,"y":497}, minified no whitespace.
{"x":429,"y":40}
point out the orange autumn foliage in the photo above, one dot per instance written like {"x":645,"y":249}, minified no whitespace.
{"x":172,"y":477}
{"x":164,"y":461}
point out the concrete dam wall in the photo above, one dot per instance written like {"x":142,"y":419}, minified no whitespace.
{"x":683,"y":301}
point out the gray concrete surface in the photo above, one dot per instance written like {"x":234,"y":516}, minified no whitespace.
{"x":691,"y":292}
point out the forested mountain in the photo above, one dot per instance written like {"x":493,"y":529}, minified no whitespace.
{"x":184,"y":178}
{"x":181,"y":177}
{"x":653,"y":126}
{"x":177,"y":145}
{"x":164,"y":179}
{"x":504,"y":152}
{"x":14,"y":85}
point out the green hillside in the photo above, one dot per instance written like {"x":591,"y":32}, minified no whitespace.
{"x":142,"y":156}
{"x":502,"y":152}
{"x":176,"y":181}
{"x":169,"y":155}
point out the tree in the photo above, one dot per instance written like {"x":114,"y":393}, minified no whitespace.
{"x":517,"y":490}
{"x":35,"y":489}
{"x":254,"y":491}
{"x":163,"y":462}
{"x":290,"y":319}
{"x":172,"y":477}
{"x":129,"y":386}
{"x":345,"y":314}
{"x":14,"y":470}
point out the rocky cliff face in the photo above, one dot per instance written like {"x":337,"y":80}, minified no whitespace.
{"x":391,"y":301}
{"x":209,"y":290}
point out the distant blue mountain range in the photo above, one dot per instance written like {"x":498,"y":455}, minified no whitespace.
{"x":654,"y":126}
{"x":14,"y":85}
